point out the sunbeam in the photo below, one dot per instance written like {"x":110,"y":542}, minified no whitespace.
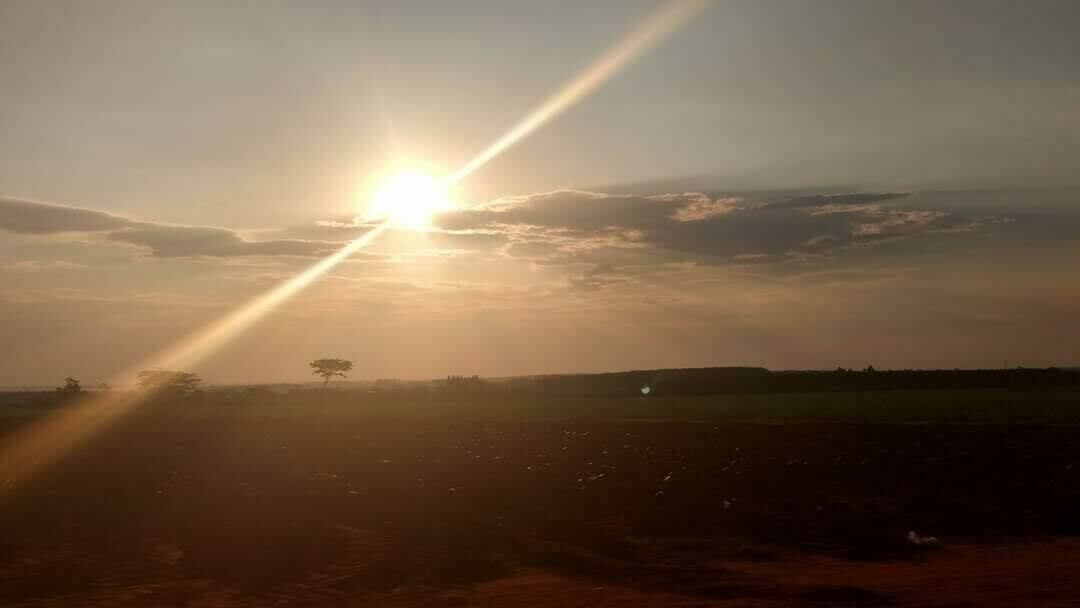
{"x":27,"y":452}
{"x":657,"y":27}
{"x":195,"y":348}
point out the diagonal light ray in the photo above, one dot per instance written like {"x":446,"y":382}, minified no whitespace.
{"x":657,"y":27}
{"x":27,"y":452}
{"x":191,"y":350}
{"x":34,"y":448}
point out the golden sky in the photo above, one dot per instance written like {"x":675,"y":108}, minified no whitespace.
{"x":778,"y":184}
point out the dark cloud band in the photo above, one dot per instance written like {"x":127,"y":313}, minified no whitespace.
{"x":163,"y":240}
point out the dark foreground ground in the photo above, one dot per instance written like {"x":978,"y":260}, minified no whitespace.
{"x":331,"y":505}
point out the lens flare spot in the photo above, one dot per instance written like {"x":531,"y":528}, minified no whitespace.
{"x":410,"y":198}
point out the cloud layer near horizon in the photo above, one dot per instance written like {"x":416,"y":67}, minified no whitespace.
{"x":563,"y":281}
{"x":700,"y":227}
{"x":566,"y":227}
{"x":162,"y":240}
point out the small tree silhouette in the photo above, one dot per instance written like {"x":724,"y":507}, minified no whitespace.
{"x":71,"y":387}
{"x":177,"y":383}
{"x":328,"y":368}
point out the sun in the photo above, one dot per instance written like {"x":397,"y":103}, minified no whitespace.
{"x":410,"y":198}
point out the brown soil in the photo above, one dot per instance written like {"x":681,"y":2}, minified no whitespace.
{"x":237,"y":507}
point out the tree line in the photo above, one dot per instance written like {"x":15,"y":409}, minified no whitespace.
{"x":181,"y":383}
{"x":652,"y":383}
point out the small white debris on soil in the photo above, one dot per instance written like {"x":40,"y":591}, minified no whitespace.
{"x":929,"y":542}
{"x":168,"y":553}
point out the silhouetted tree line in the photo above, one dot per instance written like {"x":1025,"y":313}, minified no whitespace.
{"x":709,"y":381}
{"x":463,"y":382}
{"x":699,"y":381}
{"x":727,"y":380}
{"x":712,"y":381}
{"x":170,"y":384}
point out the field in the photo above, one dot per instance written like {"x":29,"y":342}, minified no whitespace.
{"x":331,"y":499}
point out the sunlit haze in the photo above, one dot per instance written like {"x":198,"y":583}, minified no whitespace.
{"x":521,"y":303}
{"x":410,"y":198}
{"x":598,"y":186}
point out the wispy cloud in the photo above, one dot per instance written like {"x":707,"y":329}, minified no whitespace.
{"x":31,"y":217}
{"x":162,"y":240}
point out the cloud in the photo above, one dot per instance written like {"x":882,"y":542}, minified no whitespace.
{"x":168,"y":241}
{"x":433,"y":241}
{"x":44,"y":265}
{"x":895,"y":223}
{"x":31,"y":217}
{"x":163,"y":240}
{"x":574,"y":226}
{"x":532,"y":250}
{"x":705,"y":208}
{"x":597,"y":277}
{"x":584,"y":211}
{"x":839,"y":201}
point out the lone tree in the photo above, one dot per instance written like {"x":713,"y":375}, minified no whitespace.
{"x":71,"y":387}
{"x":169,"y":381}
{"x":328,"y":368}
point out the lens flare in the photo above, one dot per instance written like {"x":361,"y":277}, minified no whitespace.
{"x":26,"y":452}
{"x":192,"y":350}
{"x":410,"y":198}
{"x":657,"y":27}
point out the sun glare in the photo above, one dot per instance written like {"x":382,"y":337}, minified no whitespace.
{"x":410,"y":198}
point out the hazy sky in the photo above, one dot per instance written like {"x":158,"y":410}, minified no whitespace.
{"x":790,"y":184}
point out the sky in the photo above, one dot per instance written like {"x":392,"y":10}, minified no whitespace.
{"x":786,"y":184}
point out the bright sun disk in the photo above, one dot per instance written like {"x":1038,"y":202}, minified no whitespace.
{"x":410,"y":198}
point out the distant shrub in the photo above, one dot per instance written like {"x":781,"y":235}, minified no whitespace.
{"x":168,"y":381}
{"x":71,"y":387}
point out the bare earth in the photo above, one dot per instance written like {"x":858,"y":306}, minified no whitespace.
{"x":263,"y":507}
